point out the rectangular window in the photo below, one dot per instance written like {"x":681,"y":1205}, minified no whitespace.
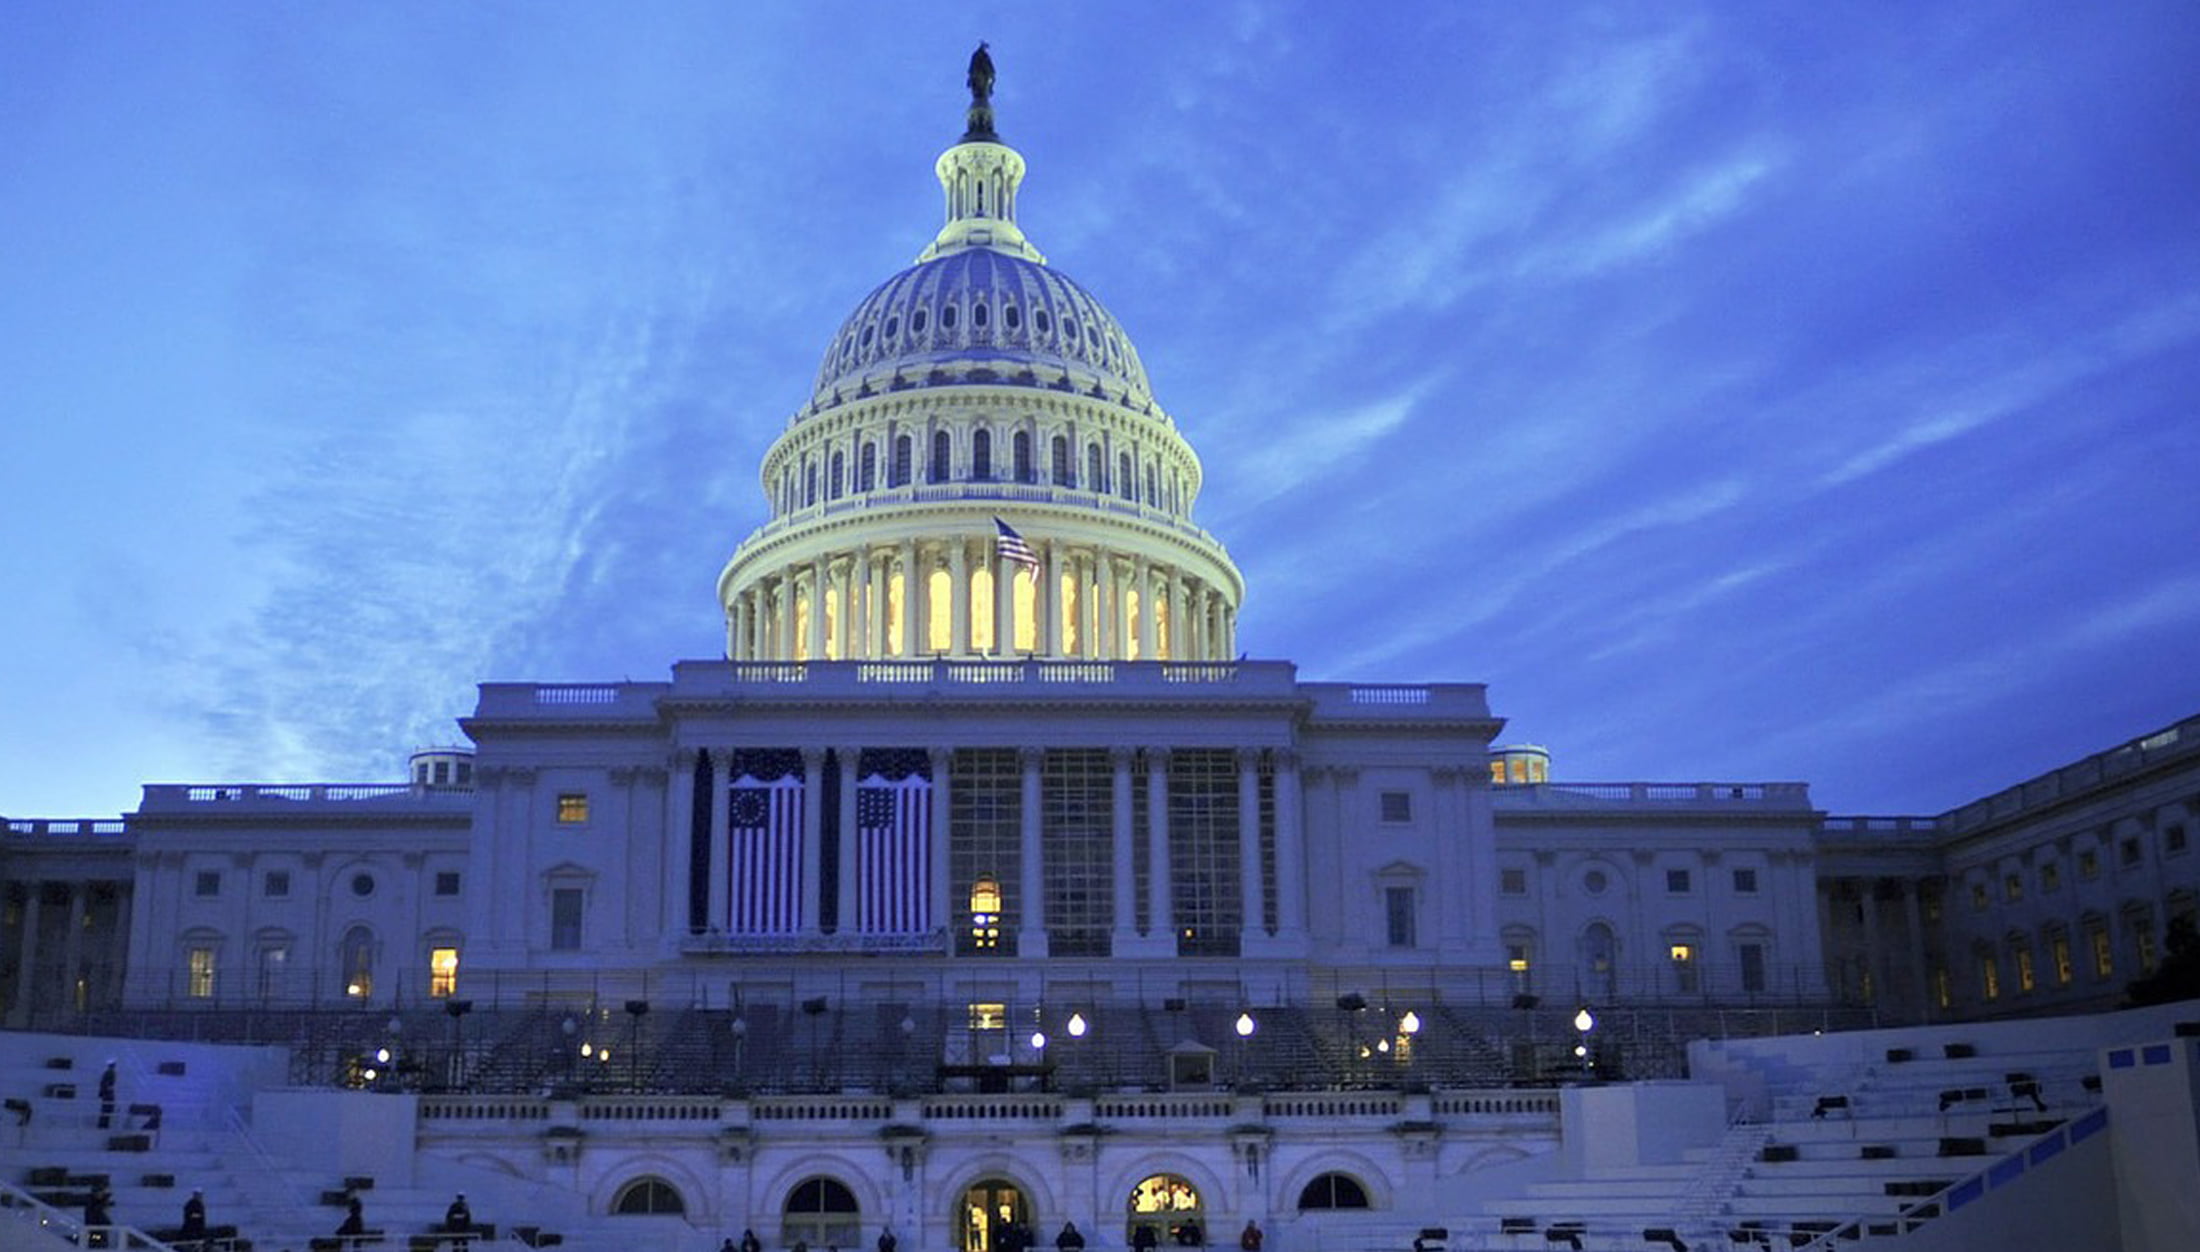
{"x":2128,"y":851}
{"x":443,"y":972}
{"x":2104,"y":953}
{"x":208,"y":882}
{"x":988,"y":1016}
{"x":199,"y":965}
{"x":2142,"y":938}
{"x":1397,"y":806}
{"x":2173,"y":839}
{"x":1745,"y":882}
{"x":2012,"y":886}
{"x":1676,"y":882}
{"x":2089,"y":864}
{"x":1398,"y":916}
{"x":2050,"y":877}
{"x":1517,"y":961}
{"x":1497,"y":773}
{"x":1683,"y":956}
{"x":276,"y":885}
{"x":446,"y":882}
{"x":1753,"y":966}
{"x":1978,"y":897}
{"x":1932,"y":907}
{"x":572,"y":808}
{"x":2058,"y":950}
{"x":1942,"y":996}
{"x":1989,"y":978}
{"x":565,"y":919}
{"x":2024,"y":969}
{"x":274,"y":960}
{"x":1512,"y":882}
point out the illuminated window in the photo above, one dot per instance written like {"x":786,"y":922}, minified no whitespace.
{"x":1941,"y":994}
{"x":442,"y":972}
{"x":572,"y":808}
{"x":1683,"y":956}
{"x":985,"y":1015}
{"x":2050,"y":877}
{"x":2058,"y":951}
{"x":1519,"y":959}
{"x":1397,"y":806}
{"x":2104,"y":952}
{"x":985,"y":913}
{"x":355,"y":957}
{"x":1512,"y":882}
{"x":1989,"y":974}
{"x":2142,"y":938}
{"x":2012,"y":886}
{"x":1497,"y":773}
{"x":2024,"y":969}
{"x":199,"y":967}
{"x":2089,"y":864}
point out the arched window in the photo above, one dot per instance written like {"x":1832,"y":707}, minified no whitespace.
{"x":978,"y":316}
{"x":822,"y":1213}
{"x":898,"y":474}
{"x":936,"y":471}
{"x":1061,"y":462}
{"x":1126,"y":481}
{"x":1011,"y":318}
{"x":867,"y":474}
{"x":1023,"y":456}
{"x":1153,"y":488}
{"x":355,"y":958}
{"x":917,"y":321}
{"x":981,"y":454}
{"x":809,"y":483}
{"x":1170,"y":1205}
{"x":648,"y":1197}
{"x":1095,"y":479}
{"x":1333,"y":1191}
{"x":1599,"y":953}
{"x":947,"y":317}
{"x":839,"y":475}
{"x":1041,"y":321}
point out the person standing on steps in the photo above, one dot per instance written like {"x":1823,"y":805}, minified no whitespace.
{"x":1249,"y":1239}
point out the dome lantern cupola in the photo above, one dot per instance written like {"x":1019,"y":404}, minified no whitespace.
{"x":981,"y":470}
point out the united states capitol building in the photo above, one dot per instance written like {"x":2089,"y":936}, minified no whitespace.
{"x":985,"y":884}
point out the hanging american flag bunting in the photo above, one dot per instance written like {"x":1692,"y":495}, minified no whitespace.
{"x":764,"y":865}
{"x":894,"y":855}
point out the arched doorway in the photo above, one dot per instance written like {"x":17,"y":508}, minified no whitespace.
{"x":822,"y":1213}
{"x":993,"y":1217}
{"x":1170,"y":1206}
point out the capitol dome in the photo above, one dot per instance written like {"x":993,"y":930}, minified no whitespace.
{"x":980,"y":469}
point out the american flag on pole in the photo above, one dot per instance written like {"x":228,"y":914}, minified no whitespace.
{"x":894,"y":856}
{"x":1011,"y":545}
{"x":764,"y":865}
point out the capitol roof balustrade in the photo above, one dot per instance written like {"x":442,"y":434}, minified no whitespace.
{"x":42,"y":828}
{"x":935,"y":677}
{"x":2157,"y":750}
{"x":1594,"y":795}
{"x":270,"y":798}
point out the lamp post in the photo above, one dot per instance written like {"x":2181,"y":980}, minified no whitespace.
{"x":1584,"y":1022}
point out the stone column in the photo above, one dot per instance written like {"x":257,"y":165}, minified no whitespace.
{"x":1050,"y":643}
{"x":721,"y":839}
{"x":1148,"y":649}
{"x":1916,"y":948}
{"x":844,"y":605}
{"x":786,"y":646}
{"x":72,"y":948}
{"x":943,"y":914}
{"x":1874,"y":957}
{"x":679,"y":840}
{"x":1111,"y":609}
{"x":1160,"y":889}
{"x":1252,"y":930}
{"x":26,"y":979}
{"x":910,"y":598}
{"x":1004,"y":604}
{"x":958,"y":596}
{"x":813,"y":841}
{"x":1121,"y":832}
{"x":1031,"y":930}
{"x":734,"y":613}
{"x":815,"y":636}
{"x":850,"y":759}
{"x":1290,"y":851}
{"x":1179,"y":637}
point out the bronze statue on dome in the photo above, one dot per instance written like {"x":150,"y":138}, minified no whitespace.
{"x":981,"y":76}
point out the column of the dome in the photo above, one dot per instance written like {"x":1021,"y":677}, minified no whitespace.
{"x":909,"y":597}
{"x":859,"y":603}
{"x":815,"y":641}
{"x":1143,"y":576}
{"x":958,"y":596}
{"x":1177,"y":649}
{"x":1050,"y":642}
{"x":783,"y":649}
{"x":844,"y":605}
{"x":1111,"y":608}
{"x":1004,"y":604}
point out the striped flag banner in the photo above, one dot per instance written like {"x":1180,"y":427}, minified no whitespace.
{"x":894,"y":855}
{"x":1012,"y":546}
{"x":764,"y":865}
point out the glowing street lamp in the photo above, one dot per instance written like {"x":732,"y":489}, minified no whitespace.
{"x":1245,"y":1025}
{"x":1410,"y":1024}
{"x":1077,"y":1026}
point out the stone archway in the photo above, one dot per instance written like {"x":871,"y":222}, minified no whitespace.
{"x":993,"y":1215}
{"x":1171,"y":1206}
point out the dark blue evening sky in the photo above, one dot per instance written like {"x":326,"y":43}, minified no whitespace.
{"x":1742,"y":391}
